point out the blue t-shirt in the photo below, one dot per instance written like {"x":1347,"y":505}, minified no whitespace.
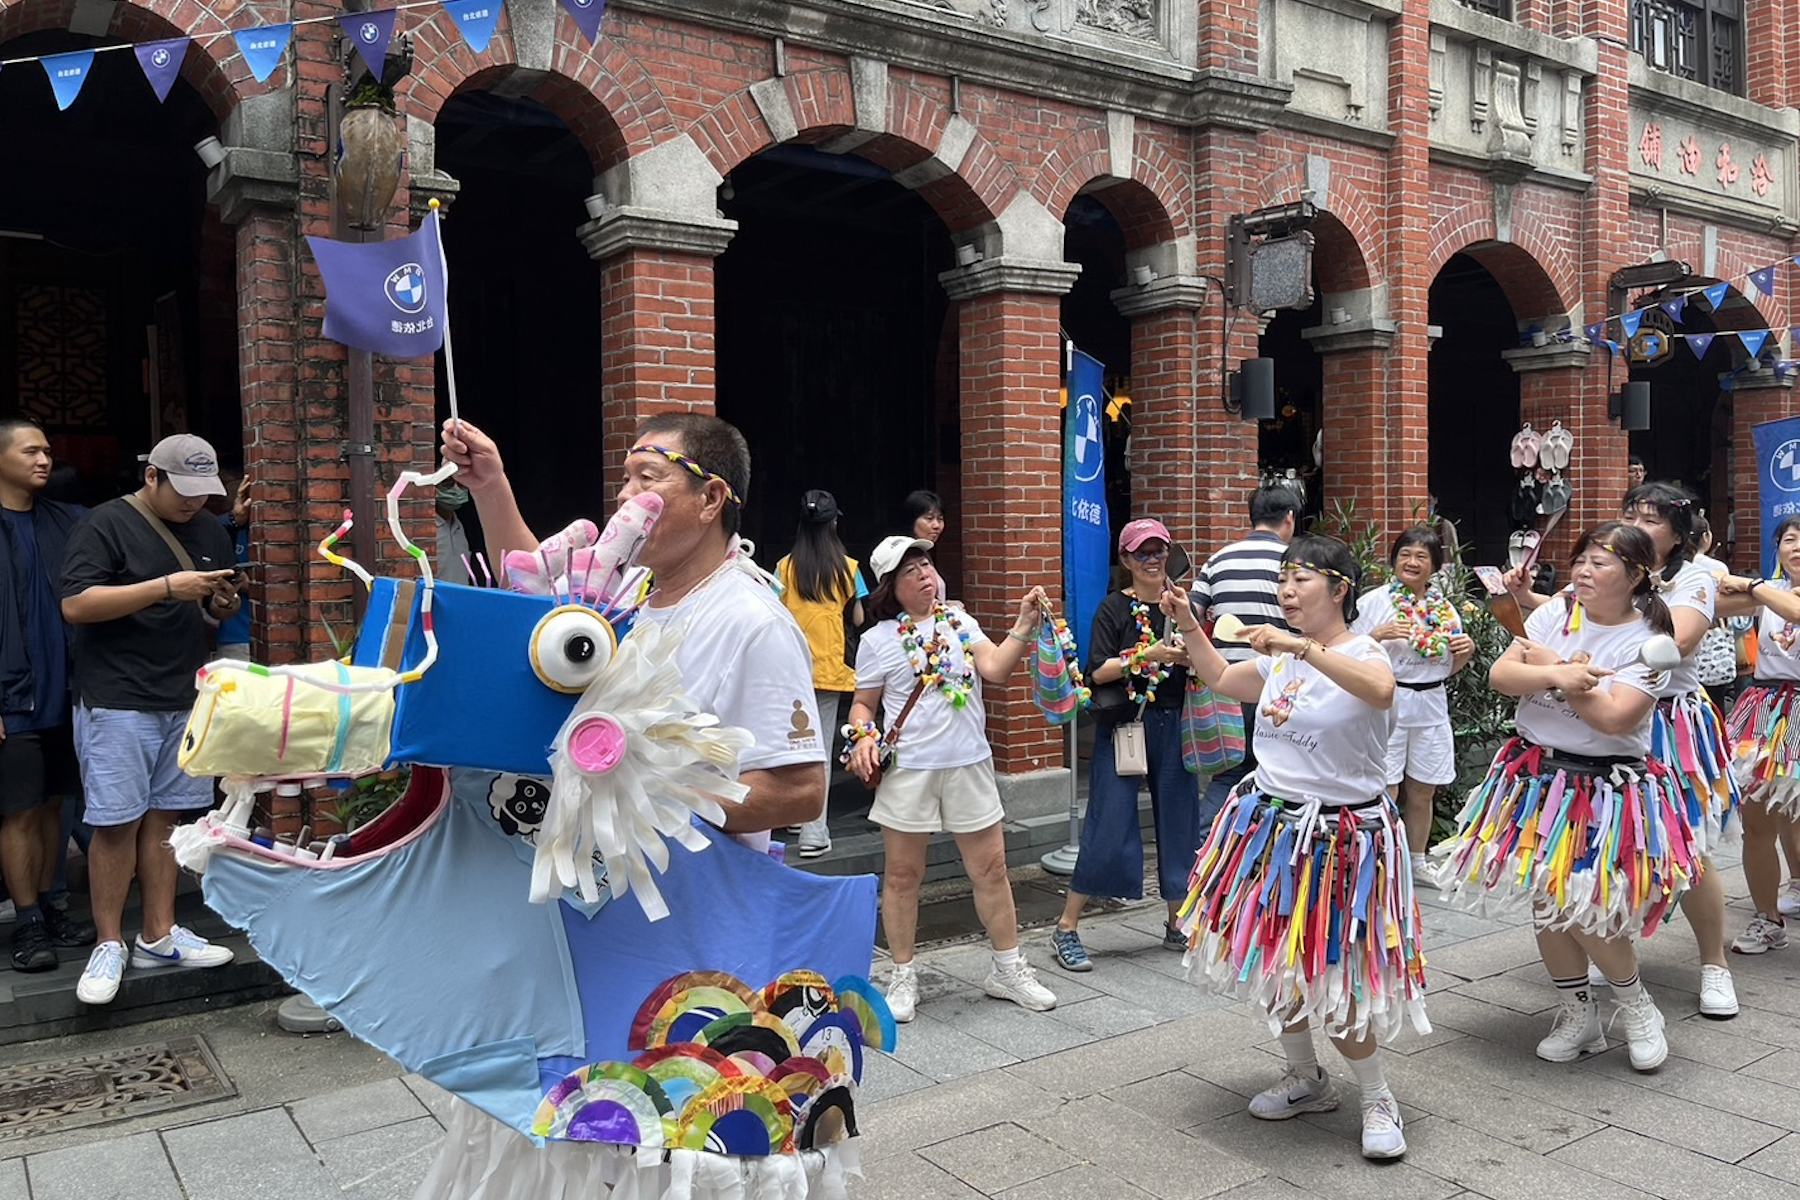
{"x":45,"y":642}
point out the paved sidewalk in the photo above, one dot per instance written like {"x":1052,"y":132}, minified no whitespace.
{"x":1133,"y":1087}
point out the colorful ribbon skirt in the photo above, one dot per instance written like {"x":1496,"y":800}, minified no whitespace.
{"x":1765,"y":737}
{"x":1307,"y":911}
{"x":1600,"y":846}
{"x":1688,"y":737}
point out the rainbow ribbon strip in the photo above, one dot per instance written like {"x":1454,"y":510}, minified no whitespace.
{"x":1765,"y":731}
{"x":1688,"y":737}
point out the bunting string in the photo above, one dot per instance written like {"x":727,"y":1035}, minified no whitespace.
{"x":1761,"y":281}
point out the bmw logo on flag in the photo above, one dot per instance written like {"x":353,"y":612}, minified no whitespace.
{"x":370,"y":32}
{"x":406,"y":288}
{"x":159,"y":57}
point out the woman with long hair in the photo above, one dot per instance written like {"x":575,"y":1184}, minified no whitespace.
{"x":1269,"y":916}
{"x":920,"y":667}
{"x":823,"y":589}
{"x":1576,"y":817}
{"x":1130,"y":647}
{"x":1422,"y":633}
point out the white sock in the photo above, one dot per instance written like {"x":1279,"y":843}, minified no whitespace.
{"x":1297,"y":1045}
{"x":904,"y":966}
{"x":1006,"y":959}
{"x":1627,"y":992}
{"x":1369,"y":1076}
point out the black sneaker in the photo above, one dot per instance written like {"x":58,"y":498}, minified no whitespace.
{"x":32,"y":950}
{"x":66,"y":930}
{"x":1173,"y":938}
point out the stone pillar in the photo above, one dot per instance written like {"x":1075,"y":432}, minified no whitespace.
{"x":1566,"y":381}
{"x":656,"y":318}
{"x":1366,"y":439}
{"x":1011,"y":353}
{"x":1760,"y":396}
{"x":1168,"y":408}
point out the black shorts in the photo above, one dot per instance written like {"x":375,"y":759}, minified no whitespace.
{"x":35,"y":767}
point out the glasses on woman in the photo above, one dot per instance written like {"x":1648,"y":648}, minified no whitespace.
{"x":1149,"y":556}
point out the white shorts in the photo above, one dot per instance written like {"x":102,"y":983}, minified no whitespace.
{"x":950,"y":800}
{"x":1426,"y":754}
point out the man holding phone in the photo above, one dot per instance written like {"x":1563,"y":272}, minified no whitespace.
{"x":144,"y":578}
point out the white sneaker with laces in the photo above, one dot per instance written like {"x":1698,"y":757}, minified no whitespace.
{"x":1384,"y":1133}
{"x":1294,"y":1093}
{"x":903,"y":992}
{"x":1643,"y":1023}
{"x":1763,"y":935}
{"x":1019,"y":984}
{"x":178,"y":948}
{"x":1789,"y":904}
{"x":1576,"y":1032}
{"x":100,"y":980}
{"x":1718,"y":998}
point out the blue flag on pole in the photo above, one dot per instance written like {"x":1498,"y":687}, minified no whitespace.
{"x":386,"y":297}
{"x":1778,"y":480}
{"x":476,"y":20}
{"x":1087,"y":530}
{"x":262,"y":48}
{"x":67,"y":73}
{"x":587,"y":14}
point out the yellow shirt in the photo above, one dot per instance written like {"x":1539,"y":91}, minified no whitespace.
{"x":822,"y":622}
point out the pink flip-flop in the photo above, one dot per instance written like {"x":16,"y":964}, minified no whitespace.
{"x":1525,"y":446}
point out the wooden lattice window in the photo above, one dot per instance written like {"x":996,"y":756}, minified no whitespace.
{"x":62,"y":356}
{"x":1702,"y":40}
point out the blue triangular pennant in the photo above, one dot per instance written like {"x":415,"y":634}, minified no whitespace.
{"x":262,"y":49}
{"x":1753,"y":340}
{"x":1674,"y":308}
{"x":1613,"y":346}
{"x":370,"y":33}
{"x":1764,"y":280}
{"x":587,"y":14}
{"x":1596,"y":333}
{"x":476,"y":20}
{"x":1632,"y":321}
{"x":1700,"y":343}
{"x":161,"y":62}
{"x":1715,"y":295}
{"x":67,"y":73}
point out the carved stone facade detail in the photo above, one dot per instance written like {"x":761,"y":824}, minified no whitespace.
{"x":1131,"y":18}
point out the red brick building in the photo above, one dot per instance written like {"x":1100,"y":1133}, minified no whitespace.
{"x":861,"y":228}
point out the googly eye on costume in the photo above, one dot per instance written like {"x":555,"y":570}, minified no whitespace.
{"x":570,"y":647}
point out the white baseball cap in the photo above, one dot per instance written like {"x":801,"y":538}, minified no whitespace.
{"x":885,"y":557}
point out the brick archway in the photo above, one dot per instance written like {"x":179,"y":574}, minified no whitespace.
{"x":1147,"y":204}
{"x":1518,"y":266}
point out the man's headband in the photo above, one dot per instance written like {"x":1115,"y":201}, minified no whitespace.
{"x":699,"y":472}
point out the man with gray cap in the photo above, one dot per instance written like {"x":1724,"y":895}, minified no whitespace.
{"x":143,"y":581}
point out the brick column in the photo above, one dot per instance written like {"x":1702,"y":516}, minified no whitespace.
{"x":1364,"y":433}
{"x":1761,"y":396}
{"x":1011,"y":352}
{"x":1401,"y":398}
{"x":657,"y":318}
{"x":1567,"y":382}
{"x":1168,"y":407}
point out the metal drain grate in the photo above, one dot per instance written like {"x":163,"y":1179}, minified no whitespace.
{"x":49,"y":1097}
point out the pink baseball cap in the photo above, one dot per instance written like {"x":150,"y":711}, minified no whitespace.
{"x":1137,"y":532}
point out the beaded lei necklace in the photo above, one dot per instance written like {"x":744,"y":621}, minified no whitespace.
{"x":1141,"y":675}
{"x":1432,"y":618}
{"x":931,"y":659}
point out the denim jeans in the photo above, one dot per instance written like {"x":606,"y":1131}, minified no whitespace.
{"x":1111,"y":862}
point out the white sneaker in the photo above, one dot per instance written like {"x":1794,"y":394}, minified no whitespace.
{"x":1576,"y":1032}
{"x":1718,"y":999}
{"x":903,"y":992}
{"x":177,"y":948}
{"x":1294,"y":1093}
{"x":100,"y":980}
{"x":1789,"y":904}
{"x":1422,"y":868}
{"x":1644,"y":1031}
{"x":1762,"y":936}
{"x":1384,"y":1133}
{"x":1019,"y":984}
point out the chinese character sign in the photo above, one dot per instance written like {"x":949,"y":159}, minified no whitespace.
{"x":1778,"y":479}
{"x":1087,"y":530}
{"x":386,"y":297}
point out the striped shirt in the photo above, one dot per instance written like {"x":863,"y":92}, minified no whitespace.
{"x":1243,"y":579}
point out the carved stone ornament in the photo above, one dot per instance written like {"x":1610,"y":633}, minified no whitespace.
{"x":1132,"y":18}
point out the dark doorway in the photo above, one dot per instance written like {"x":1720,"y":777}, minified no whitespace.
{"x":1474,"y":406}
{"x":1680,"y":444}
{"x":1289,"y":441}
{"x":1090,"y":319}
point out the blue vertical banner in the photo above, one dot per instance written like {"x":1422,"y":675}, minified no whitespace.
{"x":1087,"y":530}
{"x":1778,"y":480}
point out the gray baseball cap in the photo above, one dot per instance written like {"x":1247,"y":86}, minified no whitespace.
{"x":189,"y":464}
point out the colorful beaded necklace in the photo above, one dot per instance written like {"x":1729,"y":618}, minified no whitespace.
{"x":1141,"y":675}
{"x":1433,"y":619}
{"x":930,"y":659}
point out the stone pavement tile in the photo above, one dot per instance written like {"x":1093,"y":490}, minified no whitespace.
{"x":1468,"y":1158}
{"x":1668,"y":1171}
{"x":885,"y":1077}
{"x":1017,"y":1031}
{"x":1319,"y":1161}
{"x":1510,"y":991}
{"x":371,"y":1106}
{"x":434,"y":1098}
{"x":1084,"y":1181}
{"x":1445,"y":927}
{"x":1152,"y":1156}
{"x":1097,"y":1066}
{"x":1170,"y":995}
{"x":1104,"y":1016}
{"x":909,"y":1177}
{"x":12,"y":1180}
{"x":1700,"y":1040}
{"x":1782,"y":1066}
{"x":1523,"y":1121}
{"x":1410,"y":1042}
{"x":258,"y":1156}
{"x":1490,"y":1022}
{"x":127,"y":1168}
{"x":998,"y":1157}
{"x":939,"y":1051}
{"x":1744,"y":1095}
{"x":1244,"y":1071}
{"x":1491,"y":954}
{"x":1782,"y":1160}
{"x":1772,"y":1029}
{"x":960,"y":970}
{"x":1177,"y":1099}
{"x":1269,"y":1188}
{"x":931,"y":1115}
{"x":385,"y":1163}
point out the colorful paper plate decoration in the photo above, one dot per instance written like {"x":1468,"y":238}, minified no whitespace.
{"x":683,"y":1012}
{"x":857,"y":995}
{"x":763,"y":1032}
{"x":745,"y":1116}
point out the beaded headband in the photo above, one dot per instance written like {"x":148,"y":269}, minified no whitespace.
{"x":695,"y":469}
{"x":1316,"y":569}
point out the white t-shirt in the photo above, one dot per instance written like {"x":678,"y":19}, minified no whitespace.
{"x":743,"y":658}
{"x":1412,"y":709}
{"x":1777,"y":642}
{"x":1548,"y":721}
{"x":937,"y":736}
{"x":1314,"y":739}
{"x":1693,"y":588}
